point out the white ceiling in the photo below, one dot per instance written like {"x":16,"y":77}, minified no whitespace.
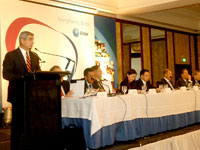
{"x":182,"y":15}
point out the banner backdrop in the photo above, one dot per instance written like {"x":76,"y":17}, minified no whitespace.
{"x":105,"y":32}
{"x":56,"y":31}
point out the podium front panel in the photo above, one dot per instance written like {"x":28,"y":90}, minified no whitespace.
{"x":42,"y":101}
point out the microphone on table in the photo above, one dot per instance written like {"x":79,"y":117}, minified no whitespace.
{"x":109,"y":93}
{"x":69,"y":60}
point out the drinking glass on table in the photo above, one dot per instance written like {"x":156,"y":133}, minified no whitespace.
{"x":196,"y":84}
{"x":124,"y":89}
{"x":165,"y":86}
{"x":144,"y":88}
{"x":161,"y":87}
{"x":189,"y":85}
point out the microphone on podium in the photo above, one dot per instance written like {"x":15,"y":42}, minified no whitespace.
{"x":69,"y":60}
{"x":40,"y":60}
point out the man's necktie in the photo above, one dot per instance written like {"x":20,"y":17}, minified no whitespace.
{"x":62,"y":91}
{"x":144,"y":87}
{"x":28,"y":62}
{"x":186,"y":83}
{"x":170,"y":84}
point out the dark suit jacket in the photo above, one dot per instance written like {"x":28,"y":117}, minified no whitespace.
{"x":163,"y":81}
{"x":66,"y":86}
{"x":94,"y":85}
{"x":139,"y":85}
{"x":194,"y":81}
{"x":98,"y":85}
{"x":180,"y":82}
{"x":14,"y":68}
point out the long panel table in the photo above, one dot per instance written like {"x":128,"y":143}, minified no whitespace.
{"x":127,"y":117}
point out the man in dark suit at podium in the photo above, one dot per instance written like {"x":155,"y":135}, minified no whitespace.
{"x":16,"y":65}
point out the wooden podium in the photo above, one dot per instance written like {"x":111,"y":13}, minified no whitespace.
{"x":42,"y":110}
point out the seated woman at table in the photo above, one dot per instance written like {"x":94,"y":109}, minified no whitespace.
{"x":129,"y":80}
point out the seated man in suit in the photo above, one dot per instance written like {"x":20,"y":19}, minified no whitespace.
{"x":184,"y":80}
{"x":196,"y":78}
{"x":97,"y":76}
{"x":104,"y":85}
{"x":143,"y":82}
{"x":167,"y":77}
{"x":89,"y":79}
{"x":65,"y":86}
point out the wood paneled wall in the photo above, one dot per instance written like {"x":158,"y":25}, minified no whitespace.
{"x":198,"y":51}
{"x":120,"y":58}
{"x":159,"y":62}
{"x":146,"y":54}
{"x":127,"y":58}
{"x":192,"y":53}
{"x":182,"y":49}
{"x":178,"y":46}
{"x":170,"y":54}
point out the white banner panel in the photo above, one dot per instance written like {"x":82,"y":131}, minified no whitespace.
{"x":57,"y":31}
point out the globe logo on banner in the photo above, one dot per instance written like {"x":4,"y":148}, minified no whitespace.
{"x":76,"y":32}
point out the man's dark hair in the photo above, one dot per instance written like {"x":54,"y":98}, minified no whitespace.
{"x":86,"y":71}
{"x":166,"y":71}
{"x":95,"y":68}
{"x":182,"y":70}
{"x":143,"y":71}
{"x":197,"y":71}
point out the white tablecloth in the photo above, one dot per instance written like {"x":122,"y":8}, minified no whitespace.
{"x":107,"y":111}
{"x":164,"y":104}
{"x":197,"y":105}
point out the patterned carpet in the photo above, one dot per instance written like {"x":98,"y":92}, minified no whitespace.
{"x":4,"y":138}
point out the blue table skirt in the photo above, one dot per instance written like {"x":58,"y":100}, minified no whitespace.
{"x":130,"y":130}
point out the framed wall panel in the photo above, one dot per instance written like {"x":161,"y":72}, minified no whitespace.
{"x":192,"y":52}
{"x":146,"y":54}
{"x":182,"y":48}
{"x":170,"y":54}
{"x":119,"y":52}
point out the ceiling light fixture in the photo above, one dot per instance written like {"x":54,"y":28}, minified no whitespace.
{"x":74,"y":6}
{"x":65,"y":5}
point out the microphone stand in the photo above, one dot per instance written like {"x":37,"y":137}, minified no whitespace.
{"x":109,"y":94}
{"x":69,"y":60}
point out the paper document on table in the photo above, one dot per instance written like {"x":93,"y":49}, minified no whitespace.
{"x":78,"y":88}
